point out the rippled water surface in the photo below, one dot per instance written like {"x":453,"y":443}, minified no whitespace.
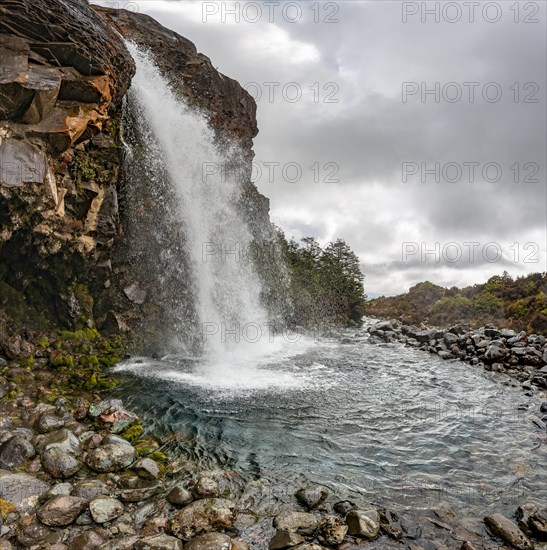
{"x":395,"y":425}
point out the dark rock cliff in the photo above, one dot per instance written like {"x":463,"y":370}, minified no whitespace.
{"x":64,"y":71}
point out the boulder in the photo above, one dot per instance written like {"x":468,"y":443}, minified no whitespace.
{"x":89,"y":488}
{"x":311,"y":497}
{"x":363,"y":523}
{"x":22,"y":490}
{"x":285,"y":539}
{"x":203,"y":516}
{"x":179,"y":496}
{"x":14,"y":452}
{"x":134,"y":488}
{"x":110,"y":457}
{"x":507,"y":531}
{"x":124,"y":542}
{"x":61,"y":511}
{"x":104,"y":509}
{"x":206,"y":487}
{"x":331,"y":530}
{"x":111,"y":415}
{"x":60,"y":489}
{"x":88,"y":540}
{"x":298,"y":522}
{"x":147,"y":468}
{"x":62,"y":439}
{"x":495,"y":353}
{"x":31,"y":532}
{"x":342,"y":507}
{"x":209,"y":541}
{"x":58,"y":463}
{"x":390,"y":524}
{"x":48,"y":422}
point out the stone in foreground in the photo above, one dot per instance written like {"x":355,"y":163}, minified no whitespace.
{"x":285,"y":539}
{"x":22,"y":490}
{"x":507,"y":531}
{"x":363,"y":523}
{"x":209,"y":541}
{"x":105,"y":509}
{"x":160,"y":542}
{"x":179,"y":496}
{"x":110,"y":457}
{"x":311,"y":497}
{"x":331,"y":530}
{"x":300,"y":522}
{"x":61,"y":511}
{"x":203,"y":516}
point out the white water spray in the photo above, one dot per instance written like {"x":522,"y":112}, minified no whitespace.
{"x":225,"y":284}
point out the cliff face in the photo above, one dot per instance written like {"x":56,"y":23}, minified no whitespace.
{"x":62,"y":75}
{"x":64,"y":71}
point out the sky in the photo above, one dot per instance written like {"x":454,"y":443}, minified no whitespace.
{"x":415,"y":131}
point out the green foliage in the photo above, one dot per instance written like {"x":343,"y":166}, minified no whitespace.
{"x":326,"y":283}
{"x":83,"y":334}
{"x":83,"y":168}
{"x":133,"y":433}
{"x":80,"y":358}
{"x":519,"y":303}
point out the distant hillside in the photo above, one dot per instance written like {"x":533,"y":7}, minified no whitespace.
{"x":520,"y":304}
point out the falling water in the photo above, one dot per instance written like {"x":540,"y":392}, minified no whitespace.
{"x":182,"y":148}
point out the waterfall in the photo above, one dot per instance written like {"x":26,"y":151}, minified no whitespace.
{"x":183,"y":163}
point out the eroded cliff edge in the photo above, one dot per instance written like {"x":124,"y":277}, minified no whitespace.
{"x":64,"y":72}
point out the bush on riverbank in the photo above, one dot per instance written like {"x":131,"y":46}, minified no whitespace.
{"x":520,"y":304}
{"x":326,"y":283}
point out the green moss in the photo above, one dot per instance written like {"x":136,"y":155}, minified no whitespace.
{"x":158,"y":456}
{"x":27,"y":362}
{"x":84,"y":168}
{"x":109,"y":361}
{"x":145,"y":446}
{"x":113,"y":130}
{"x":133,"y":433}
{"x":66,"y":361}
{"x":44,"y":343}
{"x":83,"y":334}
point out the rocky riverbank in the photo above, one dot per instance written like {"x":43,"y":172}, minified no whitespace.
{"x":79,"y":471}
{"x":520,"y":355}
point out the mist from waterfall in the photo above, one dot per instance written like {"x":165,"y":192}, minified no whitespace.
{"x":181,"y":147}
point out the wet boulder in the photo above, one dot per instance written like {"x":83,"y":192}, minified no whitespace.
{"x":61,"y":511}
{"x":22,"y":490}
{"x":48,"y":422}
{"x":62,"y":439}
{"x":88,"y":540}
{"x":203,"y":516}
{"x":111,"y":415}
{"x":507,"y":531}
{"x":58,"y":463}
{"x":206,"y":487}
{"x":147,"y":468}
{"x":363,"y":523}
{"x":179,"y":496}
{"x":285,"y":539}
{"x":104,"y":509}
{"x":311,"y":497}
{"x":298,"y":522}
{"x":331,"y":530}
{"x":110,"y":457}
{"x":15,"y":451}
{"x":31,"y":532}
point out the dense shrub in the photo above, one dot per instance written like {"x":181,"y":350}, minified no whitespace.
{"x":519,"y":303}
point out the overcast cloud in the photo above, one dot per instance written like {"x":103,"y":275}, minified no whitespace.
{"x":363,"y":138}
